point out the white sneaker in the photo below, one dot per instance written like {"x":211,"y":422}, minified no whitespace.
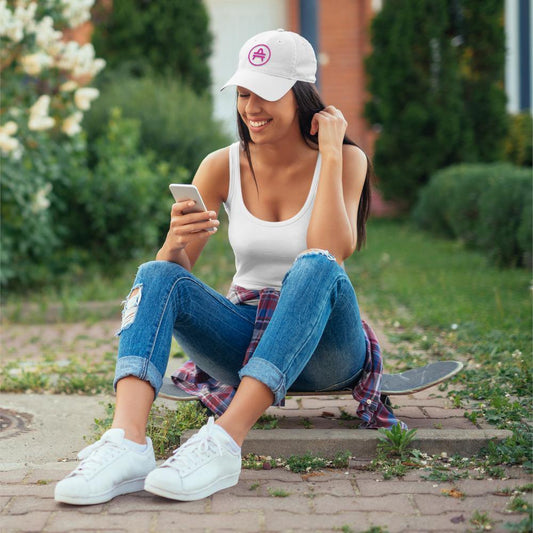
{"x":108,"y":468}
{"x":205,"y":464}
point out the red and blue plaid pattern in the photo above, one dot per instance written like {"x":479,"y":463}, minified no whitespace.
{"x":216,"y":396}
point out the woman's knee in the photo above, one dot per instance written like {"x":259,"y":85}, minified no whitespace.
{"x":312,"y":267}
{"x":156,"y":279}
{"x":159,"y":270}
{"x":314,"y":261}
{"x":316,"y":253}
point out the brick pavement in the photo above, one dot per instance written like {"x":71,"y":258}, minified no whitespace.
{"x":328,"y":500}
{"x":352,"y":499}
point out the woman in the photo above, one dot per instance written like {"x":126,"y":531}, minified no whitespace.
{"x":297,"y":194}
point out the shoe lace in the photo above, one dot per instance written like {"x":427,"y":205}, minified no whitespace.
{"x":195,"y":450}
{"x":95,"y":456}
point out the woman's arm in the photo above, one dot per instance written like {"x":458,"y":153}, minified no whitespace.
{"x":187,"y":234}
{"x":333,"y":224}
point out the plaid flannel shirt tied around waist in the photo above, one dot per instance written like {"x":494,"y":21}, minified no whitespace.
{"x":217,"y":396}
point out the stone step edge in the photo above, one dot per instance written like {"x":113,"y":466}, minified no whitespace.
{"x":362,"y":442}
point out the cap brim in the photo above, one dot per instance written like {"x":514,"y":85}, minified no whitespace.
{"x":266,"y":86}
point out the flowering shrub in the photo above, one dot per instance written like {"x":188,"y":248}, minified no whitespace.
{"x":42,"y":72}
{"x":33,"y":204}
{"x":42,"y":147}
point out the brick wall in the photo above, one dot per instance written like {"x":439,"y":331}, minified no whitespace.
{"x":344,"y":42}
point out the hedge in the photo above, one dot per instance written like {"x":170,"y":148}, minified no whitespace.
{"x":487,"y":206}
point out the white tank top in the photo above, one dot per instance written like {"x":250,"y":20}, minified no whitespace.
{"x":264,"y":251}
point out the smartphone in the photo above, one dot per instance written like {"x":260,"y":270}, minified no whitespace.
{"x":182,"y":192}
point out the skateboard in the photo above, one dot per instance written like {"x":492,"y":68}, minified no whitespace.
{"x":407,"y":382}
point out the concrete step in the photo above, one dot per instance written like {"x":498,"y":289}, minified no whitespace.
{"x":362,"y":443}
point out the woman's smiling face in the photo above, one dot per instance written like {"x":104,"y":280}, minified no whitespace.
{"x":267,"y":121}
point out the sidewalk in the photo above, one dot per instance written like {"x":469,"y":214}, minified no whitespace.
{"x":274,"y":500}
{"x":40,"y":436}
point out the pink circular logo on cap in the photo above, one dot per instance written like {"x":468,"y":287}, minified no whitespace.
{"x":259,"y":55}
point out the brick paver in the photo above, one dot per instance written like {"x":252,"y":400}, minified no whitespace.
{"x":328,"y":500}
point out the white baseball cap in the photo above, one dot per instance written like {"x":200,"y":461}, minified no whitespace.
{"x":271,"y":62}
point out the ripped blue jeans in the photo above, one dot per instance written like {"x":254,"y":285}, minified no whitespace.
{"x":314,"y":341}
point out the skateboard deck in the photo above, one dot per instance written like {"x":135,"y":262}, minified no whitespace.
{"x":407,"y":382}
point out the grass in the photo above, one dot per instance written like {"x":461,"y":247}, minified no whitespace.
{"x":481,"y":521}
{"x":278,"y":493}
{"x":65,"y":377}
{"x":165,"y":426}
{"x":437,"y":300}
{"x":413,"y":278}
{"x":266,"y":422}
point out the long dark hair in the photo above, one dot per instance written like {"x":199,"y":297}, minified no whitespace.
{"x":309,"y":102}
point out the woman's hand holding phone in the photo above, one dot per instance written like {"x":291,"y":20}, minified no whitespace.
{"x":190,"y":220}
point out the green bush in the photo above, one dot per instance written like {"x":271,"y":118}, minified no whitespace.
{"x":463,"y":210}
{"x":123,"y":205}
{"x":485,"y":206}
{"x":435,"y":77}
{"x":519,"y":142}
{"x":416,"y":95}
{"x":525,"y":231}
{"x":170,"y":37}
{"x":502,"y":207}
{"x":59,"y":215}
{"x":176,"y":123}
{"x":428,"y":212}
{"x":33,"y":227}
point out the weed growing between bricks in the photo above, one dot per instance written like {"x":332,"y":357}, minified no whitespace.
{"x":300,"y":464}
{"x":60,"y":377}
{"x":165,"y":426}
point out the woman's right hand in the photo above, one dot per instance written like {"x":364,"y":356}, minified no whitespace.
{"x":186,"y":228}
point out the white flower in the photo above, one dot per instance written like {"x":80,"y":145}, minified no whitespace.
{"x":5,"y":17}
{"x":25,"y":15}
{"x":40,"y":200}
{"x":71,"y":125}
{"x":98,"y":65}
{"x":77,"y":11}
{"x":40,"y":123}
{"x":84,"y":60}
{"x":40,"y":107}
{"x":34,"y":63}
{"x":8,"y":144}
{"x":454,"y":326}
{"x":13,"y":30}
{"x":13,"y":24}
{"x":84,"y":96}
{"x":9,"y":128}
{"x":39,"y":119}
{"x":68,"y":86}
{"x":67,"y":56}
{"x":79,"y":60}
{"x":46,"y":37}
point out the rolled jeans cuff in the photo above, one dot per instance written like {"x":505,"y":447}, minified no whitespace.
{"x":139,"y":367}
{"x":265,"y":372}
